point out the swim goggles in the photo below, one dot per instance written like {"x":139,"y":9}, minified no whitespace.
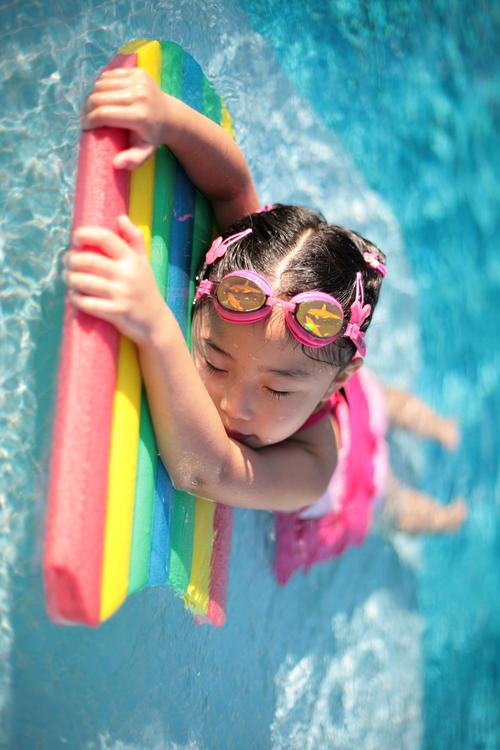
{"x":314,"y":318}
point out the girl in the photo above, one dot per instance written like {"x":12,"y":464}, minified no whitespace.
{"x":257,"y":416}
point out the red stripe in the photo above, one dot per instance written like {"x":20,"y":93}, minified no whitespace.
{"x":221,"y":552}
{"x":83,"y":415}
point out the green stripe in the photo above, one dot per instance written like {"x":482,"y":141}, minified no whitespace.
{"x":181,"y":549}
{"x":171,"y":69}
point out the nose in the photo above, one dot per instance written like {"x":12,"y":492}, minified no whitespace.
{"x":237,"y":401}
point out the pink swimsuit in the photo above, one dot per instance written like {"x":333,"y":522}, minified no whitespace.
{"x":342,"y":516}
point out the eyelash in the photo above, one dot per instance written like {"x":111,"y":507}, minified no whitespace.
{"x":277,"y":394}
{"x":274,"y":394}
{"x":211,"y":368}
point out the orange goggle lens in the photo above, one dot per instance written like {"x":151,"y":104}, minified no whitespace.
{"x":239,"y":294}
{"x":321,"y":319}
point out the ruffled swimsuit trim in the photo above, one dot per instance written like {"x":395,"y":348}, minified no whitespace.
{"x":342,"y":516}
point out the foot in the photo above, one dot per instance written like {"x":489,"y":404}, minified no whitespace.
{"x":448,"y":518}
{"x":448,"y":434}
{"x":420,"y":514}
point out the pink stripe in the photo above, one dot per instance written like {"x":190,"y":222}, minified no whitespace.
{"x":82,"y":429}
{"x":221,"y":551}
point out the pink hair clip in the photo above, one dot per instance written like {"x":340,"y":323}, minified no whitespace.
{"x":359,"y":313}
{"x":219,"y":246}
{"x":265,"y":209}
{"x":372,"y":260}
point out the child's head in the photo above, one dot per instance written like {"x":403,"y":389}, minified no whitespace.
{"x":296,"y":251}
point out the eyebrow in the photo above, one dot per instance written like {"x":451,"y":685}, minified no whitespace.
{"x":291,"y":372}
{"x":217,"y":349}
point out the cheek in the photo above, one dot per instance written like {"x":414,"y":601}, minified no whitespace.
{"x":281,"y":420}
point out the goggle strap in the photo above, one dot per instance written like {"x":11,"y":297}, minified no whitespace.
{"x":360,"y":289}
{"x":219,"y":246}
{"x":204,"y":289}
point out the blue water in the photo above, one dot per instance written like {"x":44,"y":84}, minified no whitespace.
{"x":385,"y":116}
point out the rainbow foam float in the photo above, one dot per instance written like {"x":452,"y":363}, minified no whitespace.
{"x":115,"y":523}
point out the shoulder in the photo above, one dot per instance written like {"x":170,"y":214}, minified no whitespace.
{"x":320,"y":438}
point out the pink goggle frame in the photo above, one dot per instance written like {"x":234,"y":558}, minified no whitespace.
{"x":313,"y":318}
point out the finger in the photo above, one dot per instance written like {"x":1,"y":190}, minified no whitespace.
{"x":110,"y":97}
{"x":120,"y":79}
{"x":111,"y":83}
{"x":117,"y":116}
{"x":103,"y":239}
{"x":131,"y":234}
{"x":98,"y":306}
{"x":88,"y":284}
{"x":87,"y":262}
{"x":135,"y":156}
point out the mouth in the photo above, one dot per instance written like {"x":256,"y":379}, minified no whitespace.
{"x":250,"y":440}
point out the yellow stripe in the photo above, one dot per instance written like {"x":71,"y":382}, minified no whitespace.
{"x":227,"y":122}
{"x":134,"y":46}
{"x":127,"y":401}
{"x":197,"y":596}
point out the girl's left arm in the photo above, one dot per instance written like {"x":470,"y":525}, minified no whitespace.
{"x":131,"y":99}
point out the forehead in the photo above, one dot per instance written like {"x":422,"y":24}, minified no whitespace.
{"x":266,"y":343}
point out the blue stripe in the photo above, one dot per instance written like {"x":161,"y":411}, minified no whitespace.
{"x":181,"y":238}
{"x":160,"y":553}
{"x":192,"y":84}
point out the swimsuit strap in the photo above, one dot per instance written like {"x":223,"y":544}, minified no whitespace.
{"x":326,"y":409}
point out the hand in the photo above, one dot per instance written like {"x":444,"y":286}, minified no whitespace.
{"x":128,"y":98}
{"x":118,"y":285}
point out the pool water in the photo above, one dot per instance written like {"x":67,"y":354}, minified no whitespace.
{"x":385,"y":116}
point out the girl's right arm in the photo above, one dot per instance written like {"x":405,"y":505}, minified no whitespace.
{"x":129,"y":98}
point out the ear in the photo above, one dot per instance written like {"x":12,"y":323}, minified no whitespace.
{"x":343,"y":376}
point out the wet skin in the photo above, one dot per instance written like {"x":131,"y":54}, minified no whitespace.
{"x":262,"y":384}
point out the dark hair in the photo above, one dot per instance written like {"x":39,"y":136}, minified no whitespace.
{"x":298,"y":251}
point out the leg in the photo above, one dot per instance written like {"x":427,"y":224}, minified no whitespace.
{"x":416,"y":513}
{"x":410,"y":413}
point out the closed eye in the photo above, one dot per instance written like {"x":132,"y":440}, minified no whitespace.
{"x":210,"y":367}
{"x":277,"y":394}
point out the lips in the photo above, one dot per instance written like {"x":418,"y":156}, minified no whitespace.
{"x":241,"y":437}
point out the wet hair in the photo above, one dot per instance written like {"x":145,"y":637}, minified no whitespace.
{"x":298,"y":251}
